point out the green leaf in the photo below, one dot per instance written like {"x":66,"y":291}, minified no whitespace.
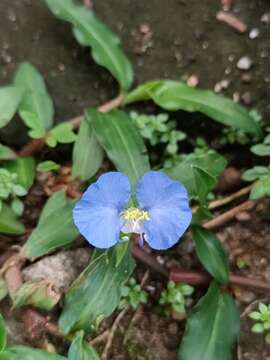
{"x":63,"y":133}
{"x":87,"y":153}
{"x":176,"y":95}
{"x":9,"y":223}
{"x":3,"y":334}
{"x":51,"y":141}
{"x":25,"y":170}
{"x":80,"y":350}
{"x":211,"y":254}
{"x":10,"y":97}
{"x":118,"y":135}
{"x":254,"y":173}
{"x":261,"y":149}
{"x":53,"y":204}
{"x":27,"y":353}
{"x":261,"y":188}
{"x":96,"y":293}
{"x":91,"y":31}
{"x":36,"y":108}
{"x":263,"y":308}
{"x":6,"y":183}
{"x":255,"y":315}
{"x":40,"y":294}
{"x":6,"y":153}
{"x":212,"y":328}
{"x":17,"y":206}
{"x":48,"y":165}
{"x":258,"y":328}
{"x":54,"y":230}
{"x":199,"y":173}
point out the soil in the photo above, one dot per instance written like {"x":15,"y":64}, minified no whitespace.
{"x":184,"y":39}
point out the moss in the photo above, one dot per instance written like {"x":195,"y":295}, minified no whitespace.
{"x":136,"y":352}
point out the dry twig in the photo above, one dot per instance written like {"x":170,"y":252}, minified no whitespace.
{"x":226,"y":200}
{"x":232,"y":21}
{"x":229,"y":215}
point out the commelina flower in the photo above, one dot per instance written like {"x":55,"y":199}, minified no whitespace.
{"x":162,"y":216}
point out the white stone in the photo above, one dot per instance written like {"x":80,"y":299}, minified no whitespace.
{"x":254,"y":33}
{"x":244,"y":63}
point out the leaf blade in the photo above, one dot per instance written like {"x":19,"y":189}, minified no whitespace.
{"x":213,"y":325}
{"x":176,"y":95}
{"x":79,"y":350}
{"x":36,"y":108}
{"x":121,"y":141}
{"x":27,"y":353}
{"x":10,"y":97}
{"x":6,"y":153}
{"x":87,"y":153}
{"x":55,"y":230}
{"x":9,"y":224}
{"x":199,"y":173}
{"x":105,"y":44}
{"x":211,"y":254}
{"x":3,"y":334}
{"x":25,"y":170}
{"x":101,"y":280}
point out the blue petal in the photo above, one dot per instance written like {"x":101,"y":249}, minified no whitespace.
{"x":168,"y":206}
{"x":97,"y":213}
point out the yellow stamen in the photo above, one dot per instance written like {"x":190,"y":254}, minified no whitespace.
{"x":135,"y":214}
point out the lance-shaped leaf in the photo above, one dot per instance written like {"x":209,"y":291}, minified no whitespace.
{"x":55,"y":227}
{"x":6,"y":153}
{"x":80,"y":350}
{"x":10,"y":97}
{"x":36,"y":108}
{"x":87,"y":153}
{"x":3,"y":334}
{"x":199,"y":173}
{"x":9,"y":223}
{"x":176,"y":95}
{"x":91,"y":31}
{"x":27,"y":353}
{"x":211,"y":253}
{"x":122,"y":142}
{"x":96,"y":293}
{"x":212,"y":328}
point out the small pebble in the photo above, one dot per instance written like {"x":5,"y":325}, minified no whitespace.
{"x":243,"y":216}
{"x":231,"y":58}
{"x":223,"y":84}
{"x":267,"y":79}
{"x":236,"y":97}
{"x":254,"y":33}
{"x":263,"y":54}
{"x":193,"y":81}
{"x":247,"y":98}
{"x":246,"y":77}
{"x":265,"y":18}
{"x":244,"y":63}
{"x":145,"y":28}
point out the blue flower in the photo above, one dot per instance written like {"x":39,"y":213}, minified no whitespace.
{"x":162,"y":217}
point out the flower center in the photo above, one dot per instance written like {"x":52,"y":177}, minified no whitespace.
{"x":132,"y":220}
